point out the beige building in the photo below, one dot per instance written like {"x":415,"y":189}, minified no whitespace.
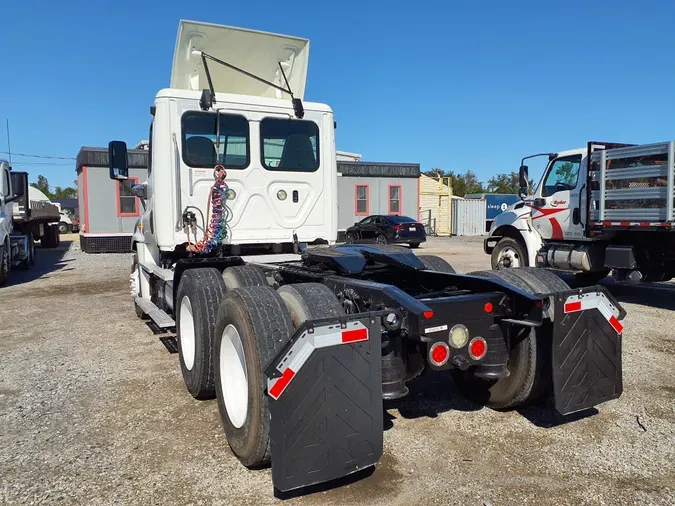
{"x":435,"y":204}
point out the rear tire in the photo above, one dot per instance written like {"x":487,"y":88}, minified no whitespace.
{"x":414,"y":245}
{"x":436,"y":263}
{"x":251,"y":327}
{"x":244,"y":275}
{"x":529,"y":360}
{"x":308,"y":301}
{"x":508,"y":254}
{"x":199,"y":294}
{"x":4,"y":264}
{"x":28,"y":262}
{"x":381,"y":239}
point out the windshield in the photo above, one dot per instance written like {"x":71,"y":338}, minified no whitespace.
{"x":400,"y":219}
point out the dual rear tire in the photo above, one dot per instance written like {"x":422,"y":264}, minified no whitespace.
{"x":229,"y":327}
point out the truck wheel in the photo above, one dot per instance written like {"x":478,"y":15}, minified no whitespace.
{"x":136,"y":286}
{"x":308,"y":301}
{"x":51,"y":238}
{"x":63,"y":228}
{"x":199,"y":294}
{"x":529,"y":360}
{"x":244,"y":275}
{"x":436,"y":263}
{"x":251,"y":327}
{"x":28,"y":262}
{"x":508,"y":253}
{"x":4,"y":264}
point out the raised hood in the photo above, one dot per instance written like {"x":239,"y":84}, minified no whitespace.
{"x":256,"y":52}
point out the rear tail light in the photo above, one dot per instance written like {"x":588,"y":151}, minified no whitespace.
{"x":396,"y":227}
{"x":439,"y":353}
{"x":477,"y":348}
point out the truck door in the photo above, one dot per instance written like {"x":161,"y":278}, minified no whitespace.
{"x":557,"y":197}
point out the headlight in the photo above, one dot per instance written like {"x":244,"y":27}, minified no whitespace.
{"x":281,"y":195}
{"x":459,"y":336}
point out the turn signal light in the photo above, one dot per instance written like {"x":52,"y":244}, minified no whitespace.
{"x":439,"y":353}
{"x":477,"y":348}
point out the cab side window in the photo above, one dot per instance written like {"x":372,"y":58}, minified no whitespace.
{"x":289,"y":145}
{"x":563,"y":175}
{"x":5,"y":183}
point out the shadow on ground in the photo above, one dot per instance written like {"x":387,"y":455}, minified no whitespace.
{"x":46,"y":262}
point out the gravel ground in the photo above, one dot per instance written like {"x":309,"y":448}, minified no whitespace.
{"x":93,"y":410}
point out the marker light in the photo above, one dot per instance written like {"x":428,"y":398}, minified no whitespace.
{"x":459,"y":336}
{"x":428,"y":315}
{"x":439,"y":353}
{"x":281,"y":195}
{"x":477,"y":348}
{"x":231,"y":194}
{"x":488,"y":307}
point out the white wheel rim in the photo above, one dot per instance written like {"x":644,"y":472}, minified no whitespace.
{"x":187,"y":333}
{"x":233,"y":376}
{"x":511,"y":255}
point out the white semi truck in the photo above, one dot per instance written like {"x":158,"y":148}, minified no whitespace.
{"x":26,"y":216}
{"x":606,"y":207}
{"x":301,"y":344}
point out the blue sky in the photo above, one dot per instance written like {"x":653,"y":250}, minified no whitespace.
{"x":451,"y":84}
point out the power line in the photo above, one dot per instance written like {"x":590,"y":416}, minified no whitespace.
{"x":60,"y":164}
{"x":39,"y":156}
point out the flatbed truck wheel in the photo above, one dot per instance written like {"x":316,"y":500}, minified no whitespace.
{"x":251,"y":327}
{"x":199,"y":295}
{"x":507,"y":254}
{"x":436,"y":263}
{"x":244,"y":275}
{"x":529,"y":360}
{"x":309,"y":301}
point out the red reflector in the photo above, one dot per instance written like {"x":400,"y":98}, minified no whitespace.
{"x":488,"y":307}
{"x":571,"y":307}
{"x":352,"y":336}
{"x":428,"y":315}
{"x":281,"y":384}
{"x":477,"y":348}
{"x":616,"y":324}
{"x":439,"y":354}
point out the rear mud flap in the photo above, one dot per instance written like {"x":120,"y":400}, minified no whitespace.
{"x":325,"y":389}
{"x":586,"y":349}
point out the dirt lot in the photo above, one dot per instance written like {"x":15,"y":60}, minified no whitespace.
{"x":93,"y":410}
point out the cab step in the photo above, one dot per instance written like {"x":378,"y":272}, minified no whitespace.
{"x":161,"y":319}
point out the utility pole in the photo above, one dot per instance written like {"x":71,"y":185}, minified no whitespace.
{"x":9,"y":146}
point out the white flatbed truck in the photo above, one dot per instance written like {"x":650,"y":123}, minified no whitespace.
{"x":22,"y":222}
{"x":300,"y":342}
{"x":606,"y":207}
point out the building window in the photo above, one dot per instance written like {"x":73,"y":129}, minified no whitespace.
{"x":362,"y":203}
{"x":395,"y":199}
{"x":127,"y":202}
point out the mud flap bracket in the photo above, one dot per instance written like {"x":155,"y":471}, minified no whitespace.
{"x":586,"y":349}
{"x":325,"y":389}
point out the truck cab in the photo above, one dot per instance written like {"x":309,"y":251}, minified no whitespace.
{"x":564,"y":223}
{"x":235,"y":101}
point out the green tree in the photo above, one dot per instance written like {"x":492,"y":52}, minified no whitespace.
{"x":43,"y":185}
{"x":64,"y":193}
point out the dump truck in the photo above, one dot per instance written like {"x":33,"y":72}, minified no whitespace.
{"x":605,"y":207}
{"x":23,"y":220}
{"x":299,"y":339}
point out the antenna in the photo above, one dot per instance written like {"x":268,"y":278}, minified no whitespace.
{"x":9,"y":146}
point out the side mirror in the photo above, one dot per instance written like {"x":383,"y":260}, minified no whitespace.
{"x":523,"y":176}
{"x":118,"y":162}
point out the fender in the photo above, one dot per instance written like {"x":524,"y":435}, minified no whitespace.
{"x":515,"y":222}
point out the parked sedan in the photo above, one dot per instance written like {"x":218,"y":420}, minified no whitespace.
{"x":391,"y":229}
